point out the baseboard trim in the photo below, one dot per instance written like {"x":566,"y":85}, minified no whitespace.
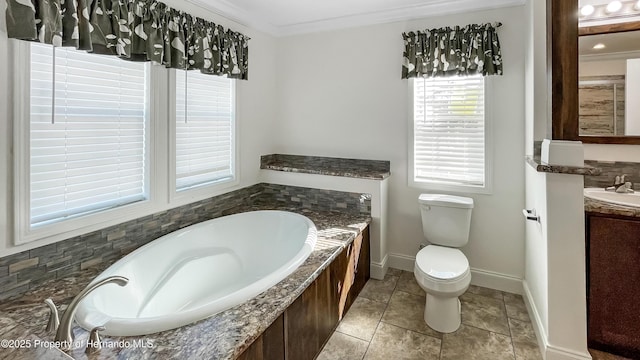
{"x":538,"y":327}
{"x":378,"y":270}
{"x":479,"y":277}
{"x":558,"y":353}
{"x":548,"y":351}
{"x":401,"y":262}
{"x":497,"y":281}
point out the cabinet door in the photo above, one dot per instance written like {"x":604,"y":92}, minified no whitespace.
{"x":269,"y":346}
{"x":302,"y":339}
{"x":363,"y":267}
{"x":614,"y":279}
{"x":327,"y":307}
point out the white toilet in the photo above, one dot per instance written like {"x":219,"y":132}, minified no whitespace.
{"x":441,"y":269}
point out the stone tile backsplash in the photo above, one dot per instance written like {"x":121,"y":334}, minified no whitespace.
{"x":323,"y":200}
{"x":610,"y":169}
{"x":22,"y":271}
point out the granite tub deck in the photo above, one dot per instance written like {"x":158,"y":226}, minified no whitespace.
{"x":223,"y":336}
{"x":603,"y":207}
{"x":355,"y":168}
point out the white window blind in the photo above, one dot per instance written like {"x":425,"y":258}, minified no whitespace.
{"x":91,"y":154}
{"x":449,"y":131}
{"x":204,"y":129}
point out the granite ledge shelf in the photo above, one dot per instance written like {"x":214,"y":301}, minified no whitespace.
{"x":540,"y":166}
{"x":318,"y":165}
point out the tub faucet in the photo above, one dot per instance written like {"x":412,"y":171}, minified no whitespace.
{"x":64,"y":335}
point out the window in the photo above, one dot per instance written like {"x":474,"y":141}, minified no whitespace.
{"x":449,"y":145}
{"x":204,"y":146}
{"x":119,"y":140}
{"x":88,"y":143}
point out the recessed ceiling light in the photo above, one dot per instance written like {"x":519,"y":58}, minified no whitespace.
{"x":614,"y":6}
{"x":599,"y":46}
{"x":588,"y":10}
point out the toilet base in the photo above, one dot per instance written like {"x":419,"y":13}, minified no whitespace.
{"x":442,"y":314}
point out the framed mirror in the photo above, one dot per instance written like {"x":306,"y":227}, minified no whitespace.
{"x":609,"y":83}
{"x":592,"y":97}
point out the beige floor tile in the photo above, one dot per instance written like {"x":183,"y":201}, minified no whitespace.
{"x":477,"y":344}
{"x":526,"y":351}
{"x":343,"y":347}
{"x":392,"y":342}
{"x":478,"y":290}
{"x":379,"y":290}
{"x":407,"y":311}
{"x":522,"y":331}
{"x":407,"y":283}
{"x":485,"y":313}
{"x":516,"y":309}
{"x":394,"y":272}
{"x":524,"y":340}
{"x":362,"y":318}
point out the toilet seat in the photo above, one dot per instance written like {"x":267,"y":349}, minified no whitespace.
{"x":442,"y":264}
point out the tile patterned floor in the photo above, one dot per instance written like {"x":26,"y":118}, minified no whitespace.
{"x":386,"y":322}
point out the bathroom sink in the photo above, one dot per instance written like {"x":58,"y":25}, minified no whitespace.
{"x":628,"y":199}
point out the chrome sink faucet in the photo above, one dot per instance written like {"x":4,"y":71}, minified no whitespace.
{"x":64,"y":335}
{"x":620,"y":185}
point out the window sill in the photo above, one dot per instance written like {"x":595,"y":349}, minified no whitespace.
{"x":458,"y":189}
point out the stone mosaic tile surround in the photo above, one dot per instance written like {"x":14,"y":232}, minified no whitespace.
{"x":356,"y":168}
{"x":26,"y":270}
{"x":609,"y":170}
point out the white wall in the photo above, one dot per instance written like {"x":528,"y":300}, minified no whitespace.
{"x":554,"y":279}
{"x":536,"y":89}
{"x":632,"y":94}
{"x":5,"y":129}
{"x":340,"y":94}
{"x":602,"y":68}
{"x":536,"y":265}
{"x":537,"y":123}
{"x":256,"y":108}
{"x":608,"y":152}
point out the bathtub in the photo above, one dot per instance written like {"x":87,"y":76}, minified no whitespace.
{"x":198,"y":271}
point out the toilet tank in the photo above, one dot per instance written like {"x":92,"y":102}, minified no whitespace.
{"x":446,"y":219}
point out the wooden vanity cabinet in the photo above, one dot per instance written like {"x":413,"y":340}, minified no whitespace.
{"x":613,"y":284}
{"x":306,"y":325}
{"x":269,"y":345}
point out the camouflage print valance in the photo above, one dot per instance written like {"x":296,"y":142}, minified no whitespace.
{"x":138,"y":30}
{"x":469,"y":50}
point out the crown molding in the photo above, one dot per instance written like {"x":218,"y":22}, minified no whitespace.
{"x":231,"y":11}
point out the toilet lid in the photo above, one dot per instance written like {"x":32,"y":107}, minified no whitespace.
{"x":442,"y":263}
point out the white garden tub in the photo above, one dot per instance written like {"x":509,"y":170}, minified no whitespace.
{"x":198,"y":271}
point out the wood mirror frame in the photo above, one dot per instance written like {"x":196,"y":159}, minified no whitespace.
{"x":562,"y":59}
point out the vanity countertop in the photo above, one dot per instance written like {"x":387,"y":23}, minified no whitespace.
{"x":603,"y":207}
{"x":222,"y":336}
{"x":354,"y":168}
{"x":540,"y":166}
